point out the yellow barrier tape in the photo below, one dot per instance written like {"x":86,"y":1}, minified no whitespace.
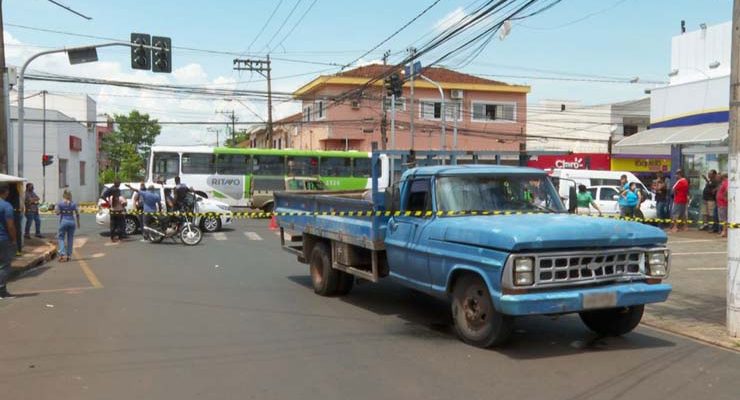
{"x":420,"y":214}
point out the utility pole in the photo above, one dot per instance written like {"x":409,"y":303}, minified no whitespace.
{"x":412,"y":53}
{"x":43,"y":148}
{"x":5,"y":147}
{"x":264,"y":68}
{"x":733,"y":194}
{"x":232,"y":116}
{"x":384,"y":118}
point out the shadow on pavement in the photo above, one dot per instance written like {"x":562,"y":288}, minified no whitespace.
{"x":533,"y":337}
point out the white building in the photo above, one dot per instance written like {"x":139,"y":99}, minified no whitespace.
{"x":73,"y":146}
{"x":569,"y":126}
{"x":691,"y":113}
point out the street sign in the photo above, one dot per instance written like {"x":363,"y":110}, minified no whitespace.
{"x":417,"y":69}
{"x":83,"y":55}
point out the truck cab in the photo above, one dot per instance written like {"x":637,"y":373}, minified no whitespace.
{"x":495,"y":241}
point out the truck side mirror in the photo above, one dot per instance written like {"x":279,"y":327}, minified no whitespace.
{"x":572,"y":203}
{"x":392,"y":197}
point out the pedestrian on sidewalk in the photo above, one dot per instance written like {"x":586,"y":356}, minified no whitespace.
{"x":585,"y":201}
{"x":8,"y":239}
{"x":722,"y":203}
{"x":32,"y":211}
{"x":69,"y":220}
{"x":661,"y":199}
{"x":708,"y":197}
{"x":680,"y":203}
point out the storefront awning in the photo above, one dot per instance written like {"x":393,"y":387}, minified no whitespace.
{"x":693,"y":134}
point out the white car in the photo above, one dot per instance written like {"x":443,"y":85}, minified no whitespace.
{"x":607,"y":197}
{"x":203,"y":205}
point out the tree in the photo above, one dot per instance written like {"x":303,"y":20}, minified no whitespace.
{"x":128,"y":146}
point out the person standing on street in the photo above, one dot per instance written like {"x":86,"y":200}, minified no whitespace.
{"x":117,"y":208}
{"x":722,"y":203}
{"x":139,"y":204}
{"x":708,"y":197}
{"x":69,"y":219}
{"x":151,"y":202}
{"x":631,"y":200}
{"x":680,"y":202}
{"x":8,"y":238}
{"x":32,"y":212}
{"x":585,"y":201}
{"x":623,"y":188}
{"x":661,"y":198}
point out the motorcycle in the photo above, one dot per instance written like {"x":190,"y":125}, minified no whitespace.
{"x":172,"y":227}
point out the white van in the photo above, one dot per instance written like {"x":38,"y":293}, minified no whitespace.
{"x":566,"y":178}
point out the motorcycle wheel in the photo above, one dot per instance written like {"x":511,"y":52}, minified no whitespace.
{"x":191,"y":234}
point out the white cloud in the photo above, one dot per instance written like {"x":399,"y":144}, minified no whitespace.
{"x":450,"y":19}
{"x":191,"y":74}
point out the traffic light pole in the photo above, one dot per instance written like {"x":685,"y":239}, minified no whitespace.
{"x":43,"y":151}
{"x":21,"y":77}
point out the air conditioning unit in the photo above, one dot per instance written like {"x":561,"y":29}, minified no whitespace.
{"x":456,"y":94}
{"x":355,"y":104}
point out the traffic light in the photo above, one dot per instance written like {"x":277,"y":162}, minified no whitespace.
{"x":394,"y":85}
{"x":141,"y":57}
{"x":47,"y":159}
{"x":162,"y":60}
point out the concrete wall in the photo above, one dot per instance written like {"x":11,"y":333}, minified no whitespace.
{"x":693,"y":52}
{"x":58,"y":145}
{"x":680,"y":100}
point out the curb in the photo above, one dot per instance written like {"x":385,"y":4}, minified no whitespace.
{"x":35,"y":261}
{"x":710,"y":334}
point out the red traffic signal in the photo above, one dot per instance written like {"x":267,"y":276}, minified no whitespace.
{"x":47,"y":159}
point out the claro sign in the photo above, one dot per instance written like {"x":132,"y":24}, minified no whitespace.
{"x":571,"y":161}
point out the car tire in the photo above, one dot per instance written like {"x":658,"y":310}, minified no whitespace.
{"x":131,"y":225}
{"x":613,"y":321}
{"x":210,"y":223}
{"x":323,"y":277}
{"x":268,"y":208}
{"x":476,"y":321}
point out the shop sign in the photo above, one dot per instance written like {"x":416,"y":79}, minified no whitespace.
{"x":641,"y":164}
{"x":595,"y":161}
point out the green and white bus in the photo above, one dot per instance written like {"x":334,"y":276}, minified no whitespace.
{"x":231,"y":174}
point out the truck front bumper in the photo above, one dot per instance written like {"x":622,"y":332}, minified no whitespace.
{"x":581,"y":299}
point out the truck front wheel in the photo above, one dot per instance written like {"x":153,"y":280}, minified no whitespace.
{"x":476,"y":320}
{"x":323,"y":277}
{"x":613,"y":321}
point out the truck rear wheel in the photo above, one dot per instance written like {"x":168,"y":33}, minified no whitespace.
{"x":613,"y":321}
{"x":476,"y":320}
{"x":346,"y":281}
{"x":323,"y":277}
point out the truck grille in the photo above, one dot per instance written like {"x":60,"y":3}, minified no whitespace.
{"x":582,"y":267}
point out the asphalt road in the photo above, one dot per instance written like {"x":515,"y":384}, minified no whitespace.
{"x":235,"y":318}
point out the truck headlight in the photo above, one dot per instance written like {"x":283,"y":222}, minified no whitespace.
{"x":523,"y":271}
{"x":657,"y":263}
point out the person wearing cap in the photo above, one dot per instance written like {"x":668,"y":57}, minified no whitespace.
{"x":151,"y":201}
{"x":8,"y":238}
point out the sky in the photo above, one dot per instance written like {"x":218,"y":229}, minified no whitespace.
{"x":576,"y":40}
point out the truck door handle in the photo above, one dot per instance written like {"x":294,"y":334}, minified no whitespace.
{"x":392,"y":225}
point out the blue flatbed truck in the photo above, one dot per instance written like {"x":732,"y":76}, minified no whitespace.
{"x":495,"y":241}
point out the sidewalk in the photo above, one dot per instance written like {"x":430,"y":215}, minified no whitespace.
{"x":35,"y":252}
{"x":696,"y":306}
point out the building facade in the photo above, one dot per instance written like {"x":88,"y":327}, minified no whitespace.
{"x":691,"y":113}
{"x":487,"y":114}
{"x":73,"y":146}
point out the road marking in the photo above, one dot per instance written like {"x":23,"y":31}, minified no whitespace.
{"x":97,"y":255}
{"x":219,"y":236}
{"x":112,"y":244}
{"x":79,"y":242}
{"x":94,"y":281}
{"x":707,"y":269}
{"x":71,"y":289}
{"x":252,"y":236}
{"x":697,"y":253}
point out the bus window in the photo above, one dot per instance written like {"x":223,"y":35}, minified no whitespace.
{"x":198,"y":163}
{"x":295,"y":184}
{"x":268,"y":165}
{"x":303,"y":166}
{"x":335,"y":166}
{"x":362,"y":168}
{"x":233,"y":164}
{"x":166,"y":165}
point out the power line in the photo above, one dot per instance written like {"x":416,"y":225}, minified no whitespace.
{"x":265,"y":25}
{"x":280,"y":28}
{"x":577,"y":20}
{"x":296,"y":24}
{"x":69,"y":9}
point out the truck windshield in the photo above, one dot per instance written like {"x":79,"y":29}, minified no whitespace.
{"x":497,"y":193}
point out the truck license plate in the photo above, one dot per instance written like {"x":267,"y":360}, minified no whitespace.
{"x":599,"y":300}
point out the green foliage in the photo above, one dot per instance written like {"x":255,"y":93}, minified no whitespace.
{"x":128,"y":146}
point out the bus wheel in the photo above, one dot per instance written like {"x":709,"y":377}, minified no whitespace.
{"x":323,"y":277}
